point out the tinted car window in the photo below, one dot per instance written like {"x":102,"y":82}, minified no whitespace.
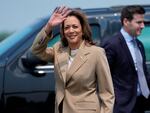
{"x":96,"y":33}
{"x":54,"y":40}
{"x":145,"y":38}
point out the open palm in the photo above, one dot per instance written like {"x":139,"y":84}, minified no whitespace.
{"x":59,"y":15}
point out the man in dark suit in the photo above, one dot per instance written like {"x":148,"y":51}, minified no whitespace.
{"x":127,"y":72}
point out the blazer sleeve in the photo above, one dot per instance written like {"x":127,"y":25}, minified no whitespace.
{"x":105,"y":85}
{"x":39,"y":47}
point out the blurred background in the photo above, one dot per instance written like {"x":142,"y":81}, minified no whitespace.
{"x":16,"y":14}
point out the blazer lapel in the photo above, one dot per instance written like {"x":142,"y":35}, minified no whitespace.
{"x":63,"y":58}
{"x":140,"y":47}
{"x":78,"y":61}
{"x":126,"y":49}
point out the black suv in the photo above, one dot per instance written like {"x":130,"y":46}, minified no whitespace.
{"x":27,"y":84}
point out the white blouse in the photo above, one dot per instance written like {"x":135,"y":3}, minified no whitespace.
{"x":71,"y":57}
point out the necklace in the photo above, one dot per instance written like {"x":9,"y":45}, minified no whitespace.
{"x":73,"y":53}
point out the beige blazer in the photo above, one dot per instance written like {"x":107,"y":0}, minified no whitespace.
{"x":86,"y":87}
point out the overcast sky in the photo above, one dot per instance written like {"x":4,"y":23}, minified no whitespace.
{"x":16,"y":14}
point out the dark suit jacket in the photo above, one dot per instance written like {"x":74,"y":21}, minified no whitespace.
{"x":123,"y":72}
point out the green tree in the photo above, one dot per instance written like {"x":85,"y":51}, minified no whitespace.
{"x":4,"y":35}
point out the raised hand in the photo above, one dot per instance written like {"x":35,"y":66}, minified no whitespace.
{"x":57,"y":17}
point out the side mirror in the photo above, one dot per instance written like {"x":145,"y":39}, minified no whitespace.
{"x":29,"y":64}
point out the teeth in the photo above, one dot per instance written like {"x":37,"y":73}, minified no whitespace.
{"x":72,"y":36}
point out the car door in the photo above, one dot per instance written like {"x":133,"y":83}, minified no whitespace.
{"x":23,"y":92}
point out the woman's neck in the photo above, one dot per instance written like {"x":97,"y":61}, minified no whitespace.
{"x":74,"y":46}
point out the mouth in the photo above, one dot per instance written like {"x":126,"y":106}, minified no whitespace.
{"x":140,"y":31}
{"x":72,"y":36}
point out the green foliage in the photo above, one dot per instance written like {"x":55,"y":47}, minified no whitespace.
{"x":4,"y":35}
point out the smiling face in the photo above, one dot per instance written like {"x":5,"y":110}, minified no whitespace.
{"x":135,"y":26}
{"x":73,"y":32}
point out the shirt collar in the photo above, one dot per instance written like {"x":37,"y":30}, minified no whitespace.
{"x":126,"y":36}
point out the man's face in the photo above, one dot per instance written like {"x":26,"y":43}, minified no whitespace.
{"x":135,"y":26}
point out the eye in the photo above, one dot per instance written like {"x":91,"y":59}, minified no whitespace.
{"x":75,"y":26}
{"x":66,"y":27}
{"x":140,"y":22}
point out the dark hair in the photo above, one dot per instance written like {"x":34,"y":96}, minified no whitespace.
{"x":128,"y":12}
{"x":87,"y":34}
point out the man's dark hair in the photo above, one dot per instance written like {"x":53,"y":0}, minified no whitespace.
{"x":128,"y":12}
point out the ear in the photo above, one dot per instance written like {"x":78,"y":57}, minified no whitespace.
{"x":125,"y":22}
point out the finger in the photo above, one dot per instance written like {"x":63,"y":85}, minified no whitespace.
{"x":60,"y":9}
{"x":56,"y":10}
{"x":67,"y":12}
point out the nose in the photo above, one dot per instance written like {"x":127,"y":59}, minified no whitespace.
{"x":71,"y":29}
{"x":142,"y":25}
